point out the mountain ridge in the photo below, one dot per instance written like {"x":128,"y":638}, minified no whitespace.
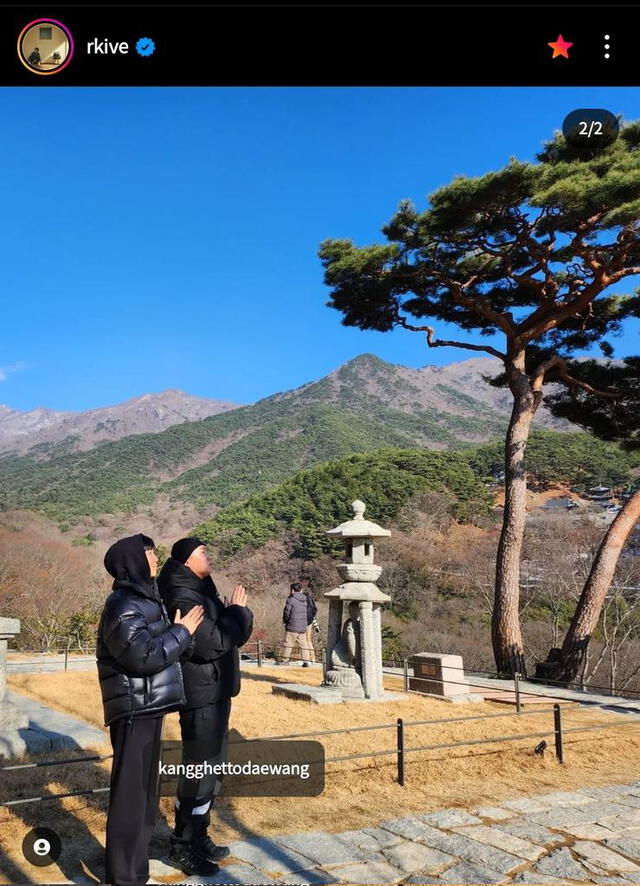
{"x":21,"y":431}
{"x":363,"y":405}
{"x":422,"y":383}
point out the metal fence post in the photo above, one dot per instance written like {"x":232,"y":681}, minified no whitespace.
{"x":557,"y":725}
{"x":405,"y":670}
{"x":259,"y":653}
{"x":400,"y":750}
{"x":66,"y":654}
{"x":516,"y":683}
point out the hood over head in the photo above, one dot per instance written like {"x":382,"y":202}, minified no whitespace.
{"x":126,"y":560}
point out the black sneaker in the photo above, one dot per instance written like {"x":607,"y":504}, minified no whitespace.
{"x":210,"y":850}
{"x":192,"y":861}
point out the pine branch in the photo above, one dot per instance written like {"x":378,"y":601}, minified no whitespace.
{"x":564,"y":376}
{"x":487,"y":349}
{"x":460,"y":344}
{"x":480,"y":305}
{"x":552,"y":315}
{"x":558,"y":364}
{"x":547,"y":316}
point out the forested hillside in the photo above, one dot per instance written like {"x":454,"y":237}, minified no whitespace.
{"x":365,"y":405}
{"x":577,"y":459}
{"x":313,"y":501}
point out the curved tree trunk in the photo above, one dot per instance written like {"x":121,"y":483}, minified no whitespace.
{"x":506,"y":635}
{"x":595,"y":590}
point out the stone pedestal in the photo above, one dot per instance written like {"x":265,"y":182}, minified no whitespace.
{"x":441,"y":676}
{"x":367,"y":597}
{"x":11,"y":717}
{"x":347,"y":681}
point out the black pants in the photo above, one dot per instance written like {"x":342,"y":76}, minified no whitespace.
{"x":133,"y":802}
{"x":204,"y":738}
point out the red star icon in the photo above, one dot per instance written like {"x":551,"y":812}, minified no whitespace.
{"x":560,"y":47}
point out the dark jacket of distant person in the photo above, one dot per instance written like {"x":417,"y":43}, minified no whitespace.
{"x":211,"y":666}
{"x":312,"y":608}
{"x":294,"y":614}
{"x":138,"y":647}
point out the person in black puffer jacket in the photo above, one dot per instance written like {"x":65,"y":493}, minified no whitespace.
{"x":211,"y":670}
{"x":140,"y":680}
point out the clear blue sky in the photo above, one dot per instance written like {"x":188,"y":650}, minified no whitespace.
{"x":158,"y":238}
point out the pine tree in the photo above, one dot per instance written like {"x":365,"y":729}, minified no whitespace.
{"x":528,"y":253}
{"x":610,"y":419}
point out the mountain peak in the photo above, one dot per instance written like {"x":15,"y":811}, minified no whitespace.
{"x":365,"y":362}
{"x":366,"y":359}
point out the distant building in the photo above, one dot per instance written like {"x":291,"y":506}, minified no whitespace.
{"x":601,"y":495}
{"x":562,"y":503}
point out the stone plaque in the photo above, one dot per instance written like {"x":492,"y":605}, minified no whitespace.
{"x":441,"y":676}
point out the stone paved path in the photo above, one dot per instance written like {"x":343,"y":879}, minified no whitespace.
{"x":43,"y":664}
{"x":48,"y":730}
{"x":586,"y":836}
{"x":607,"y":702}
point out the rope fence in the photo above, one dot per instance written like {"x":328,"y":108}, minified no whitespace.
{"x":266,"y":650}
{"x":401,"y":751}
{"x":262,"y":650}
{"x":402,"y":664}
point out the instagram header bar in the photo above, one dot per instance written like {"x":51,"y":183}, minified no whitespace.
{"x":342,"y":46}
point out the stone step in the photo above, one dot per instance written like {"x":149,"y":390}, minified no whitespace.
{"x":316,"y":694}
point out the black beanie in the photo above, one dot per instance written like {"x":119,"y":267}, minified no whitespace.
{"x":184,"y":547}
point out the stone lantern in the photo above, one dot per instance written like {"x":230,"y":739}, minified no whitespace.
{"x":354,"y":646}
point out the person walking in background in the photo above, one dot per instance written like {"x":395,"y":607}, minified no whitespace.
{"x":140,"y":681}
{"x":211,"y":669}
{"x":294,"y":617}
{"x":312,"y":624}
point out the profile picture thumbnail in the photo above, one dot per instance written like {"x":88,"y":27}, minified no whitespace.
{"x":45,"y":46}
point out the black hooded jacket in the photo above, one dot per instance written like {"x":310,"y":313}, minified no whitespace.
{"x":138,"y":648}
{"x":211,"y":665}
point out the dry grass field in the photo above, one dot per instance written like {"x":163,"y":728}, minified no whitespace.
{"x":357,"y":792}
